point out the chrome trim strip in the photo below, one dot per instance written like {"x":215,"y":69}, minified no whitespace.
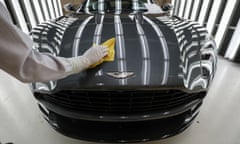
{"x":120,"y":75}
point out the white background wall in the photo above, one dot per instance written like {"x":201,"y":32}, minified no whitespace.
{"x":28,"y":13}
{"x":221,"y":18}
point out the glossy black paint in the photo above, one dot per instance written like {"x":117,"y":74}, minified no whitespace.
{"x":134,"y":60}
{"x":171,"y":59}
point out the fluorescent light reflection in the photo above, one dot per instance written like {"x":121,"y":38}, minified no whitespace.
{"x":51,"y":9}
{"x":181,"y":11}
{"x":56,"y":8}
{"x":38,"y":11}
{"x":45,"y":9}
{"x":225,"y":21}
{"x":60,"y":7}
{"x":234,"y":43}
{"x":187,"y":10}
{"x":205,"y":6}
{"x":30,"y":13}
{"x":213,"y":15}
{"x":20,"y":17}
{"x":195,"y":9}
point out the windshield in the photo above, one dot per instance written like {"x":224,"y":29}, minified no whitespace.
{"x":116,"y":6}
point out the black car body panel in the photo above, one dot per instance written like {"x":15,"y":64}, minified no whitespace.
{"x":162,"y":69}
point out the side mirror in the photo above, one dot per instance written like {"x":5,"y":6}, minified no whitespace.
{"x":167,"y":7}
{"x":69,"y":7}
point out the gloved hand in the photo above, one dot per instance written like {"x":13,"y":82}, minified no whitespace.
{"x":95,"y":54}
{"x":90,"y":57}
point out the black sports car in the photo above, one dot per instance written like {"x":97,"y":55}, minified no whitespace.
{"x":153,"y":89}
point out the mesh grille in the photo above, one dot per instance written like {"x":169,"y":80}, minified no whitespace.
{"x":124,"y":102}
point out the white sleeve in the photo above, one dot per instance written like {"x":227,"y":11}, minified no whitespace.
{"x":19,"y":59}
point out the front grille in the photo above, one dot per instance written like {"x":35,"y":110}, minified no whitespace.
{"x":122,"y":102}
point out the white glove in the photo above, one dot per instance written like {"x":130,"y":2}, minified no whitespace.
{"x":95,"y":54}
{"x":90,"y":57}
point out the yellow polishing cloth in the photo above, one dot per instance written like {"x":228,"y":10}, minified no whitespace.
{"x":111,"y":52}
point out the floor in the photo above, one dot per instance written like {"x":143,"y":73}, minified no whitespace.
{"x":218,"y":122}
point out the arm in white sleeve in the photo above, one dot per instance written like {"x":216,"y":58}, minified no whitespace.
{"x":19,"y":59}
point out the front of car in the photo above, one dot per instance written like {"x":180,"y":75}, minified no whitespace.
{"x":153,"y":89}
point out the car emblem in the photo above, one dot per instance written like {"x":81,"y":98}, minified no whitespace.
{"x":120,"y":75}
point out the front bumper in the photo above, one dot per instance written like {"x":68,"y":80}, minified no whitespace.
{"x":124,"y":106}
{"x":122,"y":131}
